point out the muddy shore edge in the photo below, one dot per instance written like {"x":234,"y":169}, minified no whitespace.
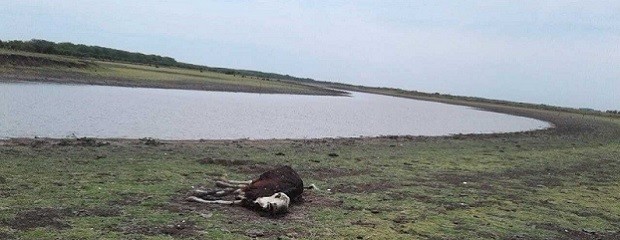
{"x":562,"y":124}
{"x":73,"y":78}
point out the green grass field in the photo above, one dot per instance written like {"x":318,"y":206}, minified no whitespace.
{"x":561,"y":183}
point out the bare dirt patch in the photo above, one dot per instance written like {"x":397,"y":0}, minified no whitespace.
{"x":37,"y":142}
{"x":311,"y":199}
{"x":54,"y":217}
{"x":84,"y":142}
{"x":40,"y":217}
{"x":4,"y":235}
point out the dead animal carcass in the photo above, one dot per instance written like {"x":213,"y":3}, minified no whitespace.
{"x":272,"y":191}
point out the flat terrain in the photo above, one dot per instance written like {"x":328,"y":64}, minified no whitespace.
{"x":558,"y":183}
{"x":34,"y":67}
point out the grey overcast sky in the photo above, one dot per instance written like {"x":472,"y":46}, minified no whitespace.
{"x":562,"y":53}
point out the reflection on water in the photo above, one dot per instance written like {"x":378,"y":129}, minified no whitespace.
{"x":56,"y":110}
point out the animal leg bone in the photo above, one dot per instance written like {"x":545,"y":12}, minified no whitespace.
{"x":244,"y":182}
{"x":204,"y":192}
{"x":216,"y":193}
{"x":223,"y":184}
{"x":200,"y":200}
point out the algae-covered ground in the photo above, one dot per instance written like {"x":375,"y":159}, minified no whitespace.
{"x":561,"y":183}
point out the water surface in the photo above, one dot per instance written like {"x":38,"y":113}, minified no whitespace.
{"x":60,"y":110}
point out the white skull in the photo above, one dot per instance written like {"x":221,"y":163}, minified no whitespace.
{"x":277,"y":203}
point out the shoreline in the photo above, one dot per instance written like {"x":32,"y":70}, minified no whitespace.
{"x":100,"y":81}
{"x":62,"y":69}
{"x":559,"y":122}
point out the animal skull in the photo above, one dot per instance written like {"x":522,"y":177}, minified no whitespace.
{"x":276,"y":203}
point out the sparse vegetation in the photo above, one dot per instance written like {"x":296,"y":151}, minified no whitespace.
{"x":560,"y":183}
{"x":23,"y":66}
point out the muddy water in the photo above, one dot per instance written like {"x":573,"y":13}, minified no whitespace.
{"x":55,"y":110}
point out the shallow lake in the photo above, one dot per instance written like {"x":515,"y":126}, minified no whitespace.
{"x":60,"y":110}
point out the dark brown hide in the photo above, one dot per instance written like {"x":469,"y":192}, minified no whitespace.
{"x":283,"y":179}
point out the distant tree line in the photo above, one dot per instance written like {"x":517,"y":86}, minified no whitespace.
{"x":84,"y":51}
{"x":109,"y":54}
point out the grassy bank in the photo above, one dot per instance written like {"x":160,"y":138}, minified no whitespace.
{"x":37,"y":67}
{"x":558,"y":183}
